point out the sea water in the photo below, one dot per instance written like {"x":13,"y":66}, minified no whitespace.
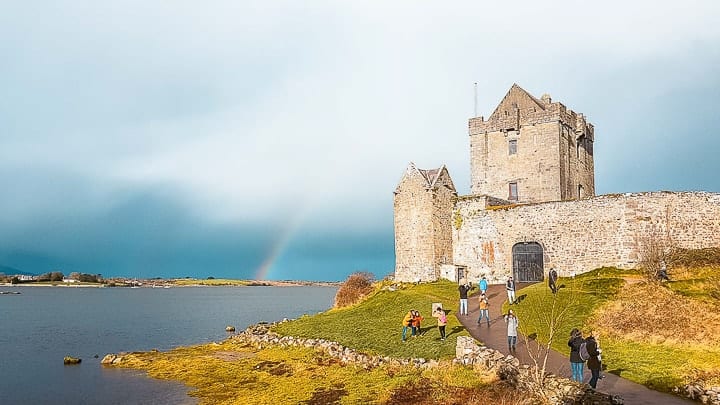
{"x":43,"y":324}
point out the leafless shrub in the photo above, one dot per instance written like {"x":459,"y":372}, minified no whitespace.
{"x":655,"y":252}
{"x":354,"y":289}
{"x":552,"y":318}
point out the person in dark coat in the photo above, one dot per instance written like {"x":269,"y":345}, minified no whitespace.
{"x":552,"y":280}
{"x":464,"y":289}
{"x":577,"y":364}
{"x":593,"y":362}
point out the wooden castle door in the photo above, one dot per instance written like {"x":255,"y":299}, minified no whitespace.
{"x":528,"y":262}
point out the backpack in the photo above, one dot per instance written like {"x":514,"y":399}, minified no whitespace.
{"x":584,"y":355}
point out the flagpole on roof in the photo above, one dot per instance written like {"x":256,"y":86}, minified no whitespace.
{"x":475,"y":108}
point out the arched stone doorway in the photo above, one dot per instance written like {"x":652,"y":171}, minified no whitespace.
{"x":528,"y":262}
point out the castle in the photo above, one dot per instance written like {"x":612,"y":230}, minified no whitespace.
{"x":533,"y":205}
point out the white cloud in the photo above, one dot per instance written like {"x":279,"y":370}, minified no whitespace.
{"x":253,"y":106}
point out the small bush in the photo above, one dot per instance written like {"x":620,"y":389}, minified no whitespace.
{"x":354,"y":289}
{"x":695,"y":257}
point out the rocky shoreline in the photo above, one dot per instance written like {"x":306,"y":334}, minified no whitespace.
{"x":559,"y":390}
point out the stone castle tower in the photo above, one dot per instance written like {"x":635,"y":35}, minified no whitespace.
{"x":531,"y":150}
{"x":423,"y":205}
{"x":533,"y":203}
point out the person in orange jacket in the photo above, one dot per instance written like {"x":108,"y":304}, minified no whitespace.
{"x":407,"y":323}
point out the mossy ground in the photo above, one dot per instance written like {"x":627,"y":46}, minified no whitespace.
{"x":233,"y":373}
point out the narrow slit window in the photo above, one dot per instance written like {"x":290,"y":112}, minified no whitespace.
{"x":513,"y":192}
{"x":512,"y":146}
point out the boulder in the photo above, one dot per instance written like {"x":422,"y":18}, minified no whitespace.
{"x":108,"y":359}
{"x":71,"y":360}
{"x":229,"y":328}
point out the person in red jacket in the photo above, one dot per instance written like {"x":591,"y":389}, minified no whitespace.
{"x":416,"y":319}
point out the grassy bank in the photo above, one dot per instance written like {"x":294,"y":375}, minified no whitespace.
{"x":660,"y":335}
{"x":374,"y":326}
{"x":230,"y":373}
{"x":233,"y":372}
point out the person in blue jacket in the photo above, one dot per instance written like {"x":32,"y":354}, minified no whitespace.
{"x":483,"y":285}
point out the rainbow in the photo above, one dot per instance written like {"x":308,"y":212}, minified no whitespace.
{"x":278,"y":248}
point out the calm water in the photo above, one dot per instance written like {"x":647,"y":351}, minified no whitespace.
{"x":44,"y":324}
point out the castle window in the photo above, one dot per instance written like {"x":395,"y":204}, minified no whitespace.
{"x":580,"y":191}
{"x":513,"y":192}
{"x":512,"y":146}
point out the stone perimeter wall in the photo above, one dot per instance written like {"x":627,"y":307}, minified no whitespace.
{"x":578,"y":236}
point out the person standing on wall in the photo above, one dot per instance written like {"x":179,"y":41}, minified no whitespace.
{"x":577,"y":364}
{"x":464,"y":289}
{"x":552,"y":280}
{"x":512,"y":325}
{"x":510,"y":287}
{"x":593,"y":362}
{"x":483,"y":285}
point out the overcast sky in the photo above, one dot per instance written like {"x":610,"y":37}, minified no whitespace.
{"x":264,"y":139}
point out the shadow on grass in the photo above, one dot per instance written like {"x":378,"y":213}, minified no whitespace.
{"x":455,"y":330}
{"x":520,"y":298}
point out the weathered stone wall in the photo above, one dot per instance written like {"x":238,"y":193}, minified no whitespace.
{"x":423,"y":225}
{"x":554,"y":158}
{"x":578,"y":236}
{"x":414,"y":247}
{"x":443,"y":202}
{"x":535,"y":166}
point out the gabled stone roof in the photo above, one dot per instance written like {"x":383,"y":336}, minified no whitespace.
{"x":428,"y":176}
{"x":516,"y":98}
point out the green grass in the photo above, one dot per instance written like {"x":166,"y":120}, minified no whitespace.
{"x":697,"y":283}
{"x":661,"y":366}
{"x":375,"y":325}
{"x":581,"y":295}
{"x":233,"y":373}
{"x":212,"y":282}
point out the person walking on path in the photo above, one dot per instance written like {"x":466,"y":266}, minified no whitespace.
{"x":483,"y":285}
{"x":510,"y":287}
{"x":512,"y":325}
{"x":484,"y":306}
{"x":442,"y":321}
{"x":464,"y":289}
{"x":552,"y":280}
{"x":577,"y":364}
{"x":593,"y":362}
{"x":407,"y":323}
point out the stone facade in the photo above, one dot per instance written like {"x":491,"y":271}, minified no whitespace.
{"x":541,"y":147}
{"x":578,"y":236}
{"x":423,"y":205}
{"x":546,"y":152}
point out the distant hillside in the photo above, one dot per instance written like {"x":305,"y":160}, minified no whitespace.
{"x":11,"y":270}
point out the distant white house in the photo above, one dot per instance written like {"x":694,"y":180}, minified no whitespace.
{"x":69,"y":280}
{"x":26,"y":277}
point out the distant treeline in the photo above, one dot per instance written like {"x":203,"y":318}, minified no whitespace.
{"x":55,"y":276}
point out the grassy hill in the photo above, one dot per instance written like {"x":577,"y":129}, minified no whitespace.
{"x":374,"y":326}
{"x":661,"y":335}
